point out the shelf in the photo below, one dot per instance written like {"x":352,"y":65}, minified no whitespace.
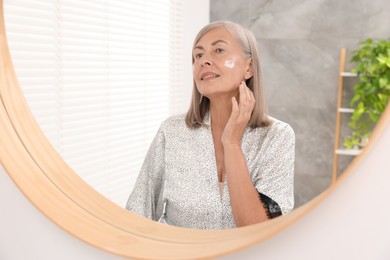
{"x":337,"y":151}
{"x":346,"y":110}
{"x":351,"y":152}
{"x":348,"y":74}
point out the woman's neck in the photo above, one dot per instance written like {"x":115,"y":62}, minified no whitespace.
{"x":220,"y":111}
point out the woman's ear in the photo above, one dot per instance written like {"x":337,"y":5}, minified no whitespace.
{"x":249,"y":70}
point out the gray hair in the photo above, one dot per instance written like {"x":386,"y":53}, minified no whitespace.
{"x":247,"y":41}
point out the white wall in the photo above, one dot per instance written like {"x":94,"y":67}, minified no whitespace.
{"x":25,"y":233}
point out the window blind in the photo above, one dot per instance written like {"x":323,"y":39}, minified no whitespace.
{"x":99,"y":77}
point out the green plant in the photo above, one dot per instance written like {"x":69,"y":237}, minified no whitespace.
{"x":371,"y":92}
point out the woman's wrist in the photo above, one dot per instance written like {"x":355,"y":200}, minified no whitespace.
{"x":227,"y":145}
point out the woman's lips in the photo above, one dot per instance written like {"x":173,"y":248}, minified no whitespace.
{"x":208,"y":75}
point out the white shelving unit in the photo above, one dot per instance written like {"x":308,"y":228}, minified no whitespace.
{"x":340,"y":110}
{"x":345,"y":110}
{"x":347,"y":74}
{"x":351,"y":152}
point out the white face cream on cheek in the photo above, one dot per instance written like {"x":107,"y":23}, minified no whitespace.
{"x":230,"y":63}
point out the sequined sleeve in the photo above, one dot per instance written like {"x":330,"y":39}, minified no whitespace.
{"x":146,"y":197}
{"x":275,"y":176}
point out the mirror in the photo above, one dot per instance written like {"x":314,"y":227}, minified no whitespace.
{"x":300,"y":89}
{"x":41,"y":174}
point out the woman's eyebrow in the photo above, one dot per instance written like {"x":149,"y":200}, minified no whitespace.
{"x":214,"y":43}
{"x":218,"y":41}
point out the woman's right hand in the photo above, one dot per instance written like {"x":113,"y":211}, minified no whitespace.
{"x":240,"y":116}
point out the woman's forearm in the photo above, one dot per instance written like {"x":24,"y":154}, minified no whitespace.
{"x":245,"y":202}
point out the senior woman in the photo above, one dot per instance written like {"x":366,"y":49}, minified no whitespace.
{"x":226,"y":163}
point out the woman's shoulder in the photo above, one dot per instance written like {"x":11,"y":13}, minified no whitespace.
{"x":277,"y":134}
{"x":277,"y":127}
{"x":279,"y":124}
{"x":174,"y":122}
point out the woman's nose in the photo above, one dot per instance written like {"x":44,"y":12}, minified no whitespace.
{"x":206,"y":61}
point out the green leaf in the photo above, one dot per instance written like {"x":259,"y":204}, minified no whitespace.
{"x":372,"y":91}
{"x":383,"y":82}
{"x":374,"y":117}
{"x":384,"y":60}
{"x":348,"y":143}
{"x":355,"y":99}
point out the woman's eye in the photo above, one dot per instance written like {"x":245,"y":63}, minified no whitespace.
{"x":219,"y":50}
{"x":198,"y":56}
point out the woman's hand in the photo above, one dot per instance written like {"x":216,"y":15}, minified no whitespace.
{"x":241,"y":114}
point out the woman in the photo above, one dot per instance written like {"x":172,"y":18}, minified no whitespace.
{"x":225,"y":163}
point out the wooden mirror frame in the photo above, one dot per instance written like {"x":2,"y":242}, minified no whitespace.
{"x":61,"y":195}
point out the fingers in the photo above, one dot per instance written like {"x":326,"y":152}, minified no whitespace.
{"x":240,"y":116}
{"x":235,"y":108}
{"x":243,"y":94}
{"x":242,"y":110}
{"x":249,"y":94}
{"x":247,"y":100}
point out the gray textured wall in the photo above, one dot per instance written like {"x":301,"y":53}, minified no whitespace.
{"x":299,"y":43}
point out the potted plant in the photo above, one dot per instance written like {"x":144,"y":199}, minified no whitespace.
{"x":371,"y":92}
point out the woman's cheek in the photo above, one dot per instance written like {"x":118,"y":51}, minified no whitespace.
{"x":230,"y":63}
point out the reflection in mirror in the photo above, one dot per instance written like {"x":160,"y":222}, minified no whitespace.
{"x":104,"y":58}
{"x":225,"y":163}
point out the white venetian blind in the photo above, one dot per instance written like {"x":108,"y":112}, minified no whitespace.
{"x":100,"y":77}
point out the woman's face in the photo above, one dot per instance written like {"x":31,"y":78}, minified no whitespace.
{"x":219,"y":66}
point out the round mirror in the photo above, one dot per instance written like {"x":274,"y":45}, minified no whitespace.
{"x":48,"y":171}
